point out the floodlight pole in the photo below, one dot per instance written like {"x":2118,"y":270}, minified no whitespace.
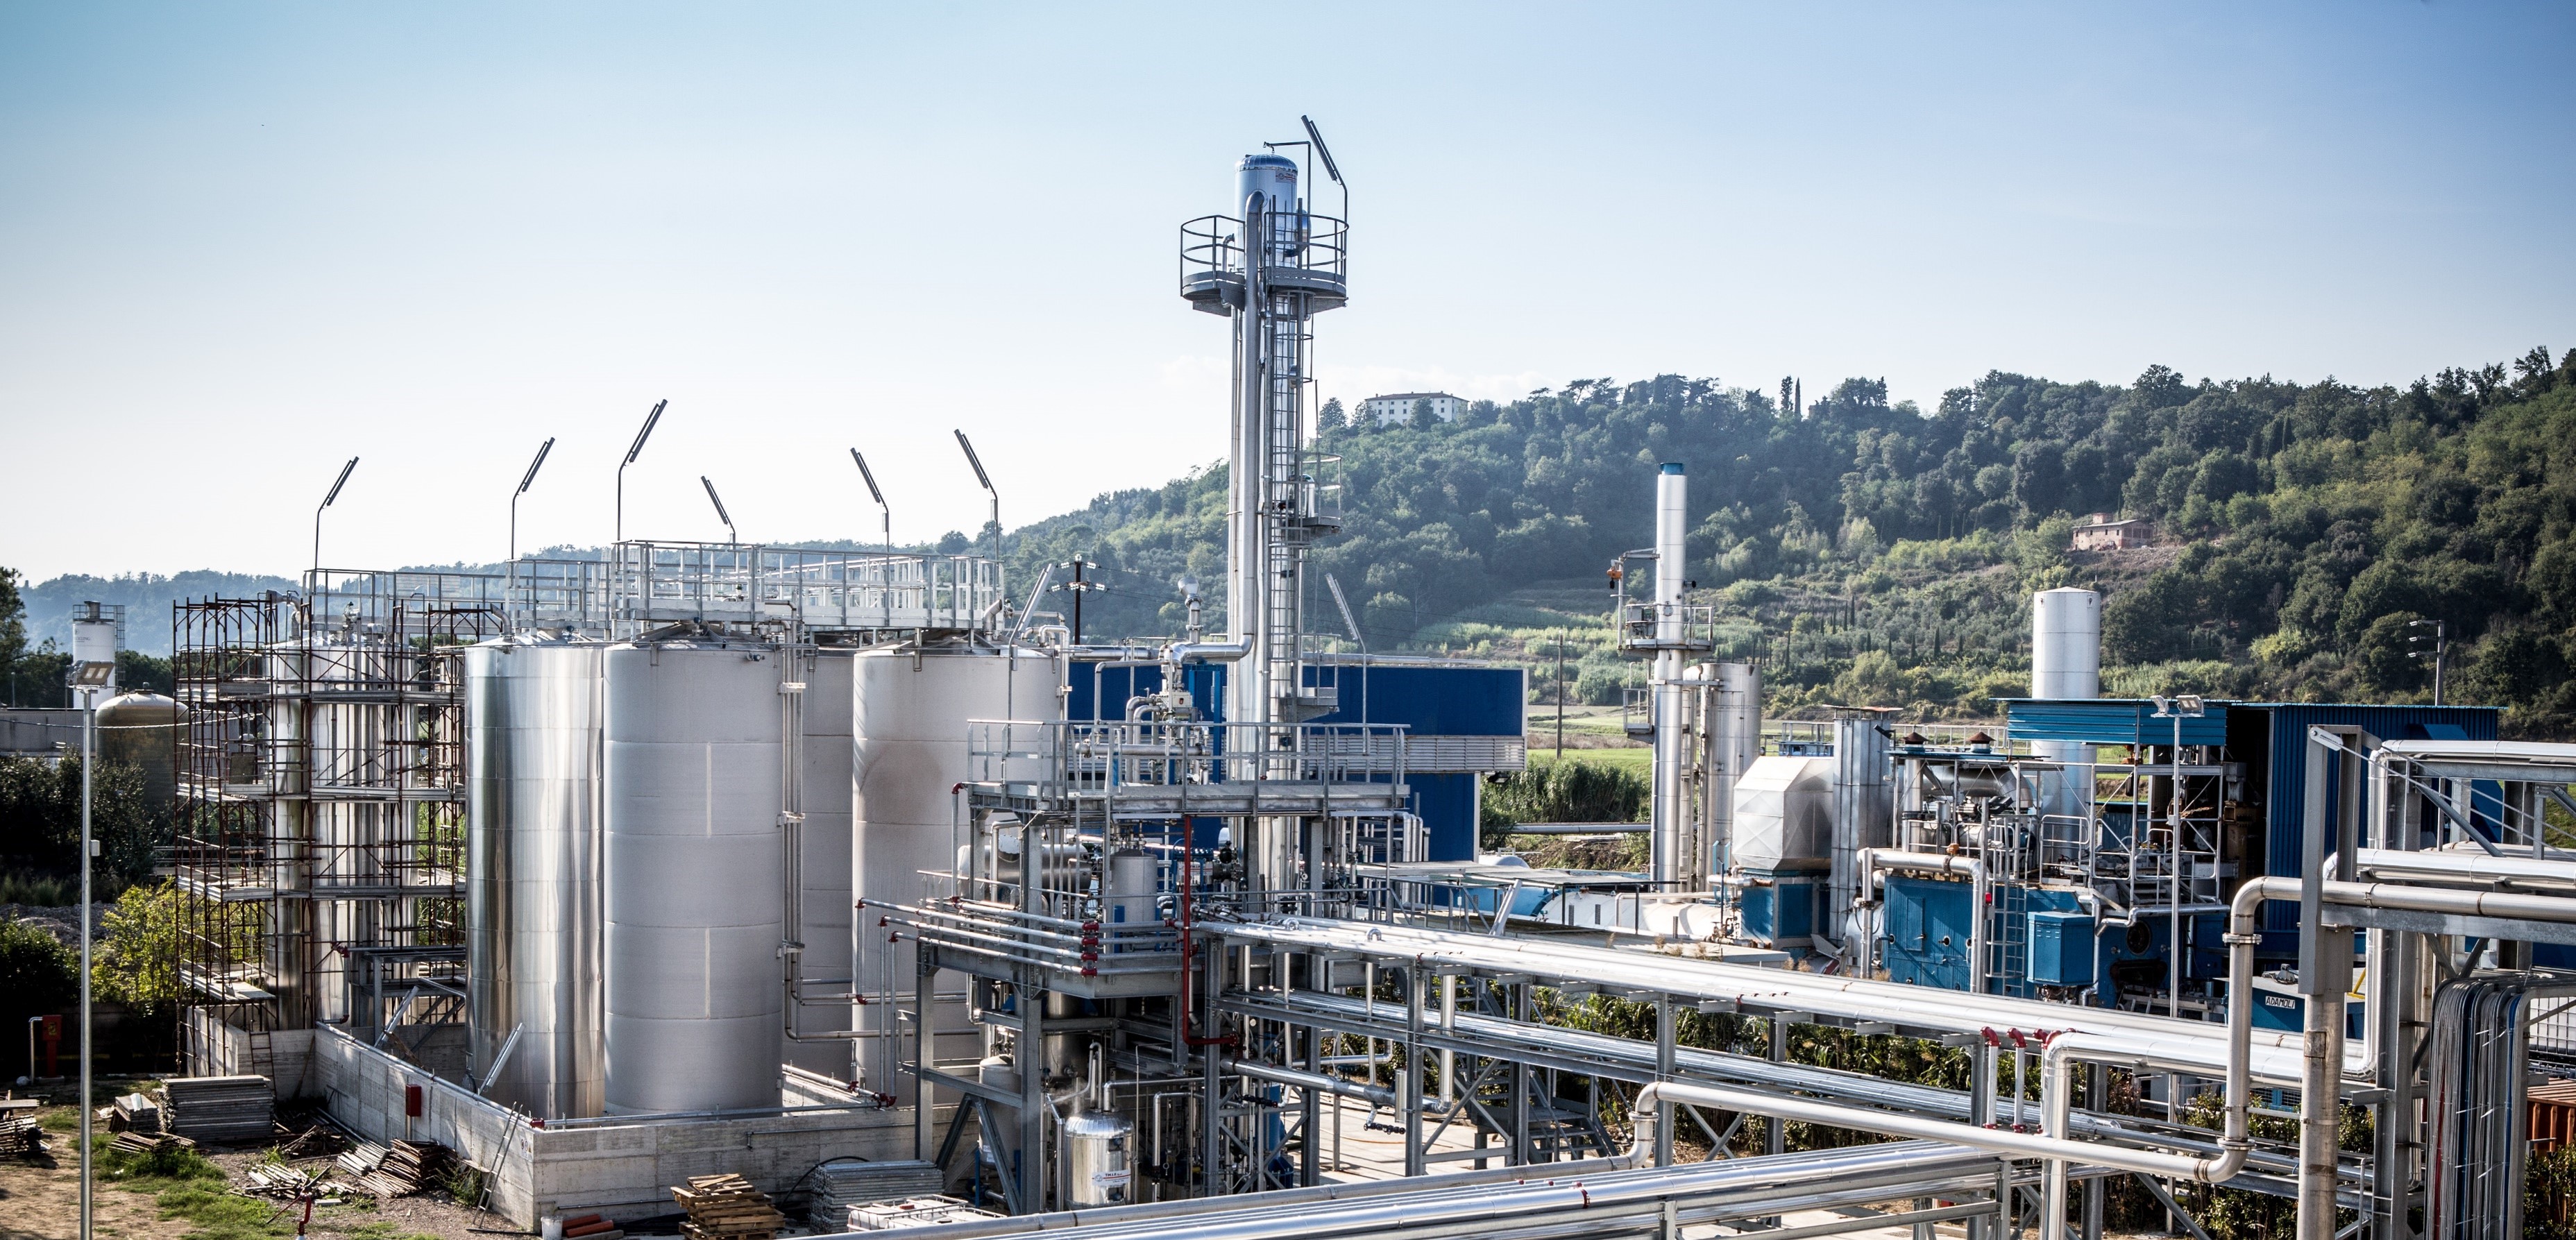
{"x":986,"y":481}
{"x":618,"y":531}
{"x":883,"y":509}
{"x":524,"y":481}
{"x":89,"y":772}
{"x":731,"y":537}
{"x":336,"y":484}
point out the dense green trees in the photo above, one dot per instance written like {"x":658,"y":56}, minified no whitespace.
{"x":2302,"y":526}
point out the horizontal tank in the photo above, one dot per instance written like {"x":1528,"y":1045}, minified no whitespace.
{"x":693,"y":869}
{"x":532,"y":856}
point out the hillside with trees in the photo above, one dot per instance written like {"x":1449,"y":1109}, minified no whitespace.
{"x":1879,"y":553}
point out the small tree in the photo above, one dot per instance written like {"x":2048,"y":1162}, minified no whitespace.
{"x":135,"y":962}
{"x":1423,"y":418}
{"x":1331,"y":418}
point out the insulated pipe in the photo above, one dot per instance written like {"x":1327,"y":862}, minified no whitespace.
{"x":1312,"y":1081}
{"x":1890,"y":1123}
{"x":1208,"y":652}
{"x":2425,"y":868}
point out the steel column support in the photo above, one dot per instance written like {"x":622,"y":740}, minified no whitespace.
{"x":1664,"y":1071}
{"x":1410,"y":1096}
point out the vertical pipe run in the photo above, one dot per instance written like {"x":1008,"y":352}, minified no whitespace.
{"x":1672,"y":842}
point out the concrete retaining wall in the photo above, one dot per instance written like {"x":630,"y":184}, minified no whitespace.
{"x":621,"y":1168}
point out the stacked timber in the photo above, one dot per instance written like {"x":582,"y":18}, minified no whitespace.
{"x":147,"y":1143}
{"x":221,"y":1108}
{"x":407,"y":1167}
{"x":20,"y":1135}
{"x":727,"y":1207}
{"x":846,"y":1182}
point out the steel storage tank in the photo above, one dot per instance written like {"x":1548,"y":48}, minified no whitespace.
{"x":2065,"y":663}
{"x":824,"y":857}
{"x":143,"y":728}
{"x":532,"y":855}
{"x":1099,"y":1148}
{"x":910,"y":708}
{"x":691,"y":869}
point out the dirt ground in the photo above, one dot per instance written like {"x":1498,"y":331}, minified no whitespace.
{"x":40,"y":1200}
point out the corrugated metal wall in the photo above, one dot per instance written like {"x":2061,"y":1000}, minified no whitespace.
{"x":2108,"y":721}
{"x":2286,"y":775}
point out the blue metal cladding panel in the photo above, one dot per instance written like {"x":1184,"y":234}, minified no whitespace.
{"x":1095,"y":685}
{"x":2108,"y":721}
{"x":2061,"y":948}
{"x":2286,"y":776}
{"x":1927,"y":932}
{"x":1447,"y":804}
{"x":1431,"y":701}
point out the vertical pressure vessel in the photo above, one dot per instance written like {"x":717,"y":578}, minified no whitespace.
{"x":694,"y":868}
{"x":532,"y":857}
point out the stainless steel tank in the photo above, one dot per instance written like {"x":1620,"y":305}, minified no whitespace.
{"x":692,"y":869}
{"x":824,"y":857}
{"x":143,"y":728}
{"x":532,"y":858}
{"x":910,"y":708}
{"x":1099,"y":1150}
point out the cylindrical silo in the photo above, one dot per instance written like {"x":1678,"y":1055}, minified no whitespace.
{"x":692,"y":872}
{"x":2066,"y":663}
{"x":824,"y":856}
{"x":532,"y":857}
{"x":143,"y":728}
{"x":2066,"y":643}
{"x":910,"y":710}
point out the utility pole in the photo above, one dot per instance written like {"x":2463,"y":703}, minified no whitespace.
{"x":2438,"y":652}
{"x":1560,"y":695}
{"x":1078,"y":586}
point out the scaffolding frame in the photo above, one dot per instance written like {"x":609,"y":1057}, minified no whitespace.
{"x":319,"y":852}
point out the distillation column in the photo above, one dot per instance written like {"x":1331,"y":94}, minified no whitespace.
{"x":2066,"y":665}
{"x":1674,"y":841}
{"x":1271,"y":271}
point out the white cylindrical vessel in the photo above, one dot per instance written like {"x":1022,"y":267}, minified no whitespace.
{"x":1734,"y":740}
{"x":2066,"y":644}
{"x":2066,"y":664}
{"x":824,"y":856}
{"x":911,"y":708}
{"x":1674,"y":837}
{"x":694,"y":868}
{"x":532,"y":871}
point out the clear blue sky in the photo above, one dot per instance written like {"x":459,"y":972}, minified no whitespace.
{"x":240,"y":243}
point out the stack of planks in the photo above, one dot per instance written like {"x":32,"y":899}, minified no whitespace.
{"x":406,"y":1168}
{"x":145,"y":1143}
{"x":727,"y":1207}
{"x":220,"y":1108}
{"x":20,"y":1135}
{"x":591,"y":1227}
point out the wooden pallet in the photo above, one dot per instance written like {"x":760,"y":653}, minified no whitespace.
{"x":727,"y":1207}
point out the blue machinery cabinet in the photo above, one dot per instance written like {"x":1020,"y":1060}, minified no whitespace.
{"x":1463,"y":720}
{"x":1779,"y":906}
{"x":1927,"y":922}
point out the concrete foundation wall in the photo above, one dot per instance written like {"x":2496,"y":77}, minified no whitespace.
{"x":209,"y":1047}
{"x":621,"y":1168}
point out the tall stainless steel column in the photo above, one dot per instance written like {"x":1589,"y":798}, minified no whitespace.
{"x":1675,"y":837}
{"x":1271,"y":270}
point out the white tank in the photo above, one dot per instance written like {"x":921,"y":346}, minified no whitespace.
{"x":1099,"y":1150}
{"x":2066,"y":644}
{"x":2066,"y":663}
{"x":909,"y":716}
{"x":693,"y":869}
{"x":532,"y":870}
{"x":825,"y":856}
